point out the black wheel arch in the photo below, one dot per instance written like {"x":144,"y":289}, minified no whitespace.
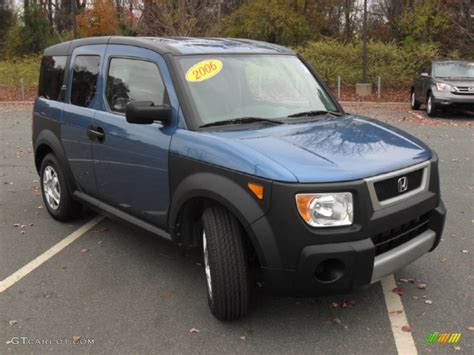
{"x":47,"y":142}
{"x":197,"y":185}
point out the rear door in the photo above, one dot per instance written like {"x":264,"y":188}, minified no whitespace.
{"x":78,"y":113}
{"x":426,"y":81}
{"x":132,"y":159}
{"x":418,"y":83}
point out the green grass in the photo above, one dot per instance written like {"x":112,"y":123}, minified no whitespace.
{"x":12,"y":71}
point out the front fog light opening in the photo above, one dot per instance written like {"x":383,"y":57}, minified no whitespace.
{"x":326,"y":209}
{"x":330,"y":270}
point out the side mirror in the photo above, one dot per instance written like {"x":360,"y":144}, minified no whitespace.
{"x":145,"y":112}
{"x":425,"y":75}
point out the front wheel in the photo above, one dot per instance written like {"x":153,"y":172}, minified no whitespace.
{"x":430,"y":106}
{"x":225,"y":264}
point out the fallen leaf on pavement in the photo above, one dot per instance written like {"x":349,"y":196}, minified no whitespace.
{"x":421,"y":286}
{"x":194,"y":330}
{"x":399,"y":291}
{"x":456,"y":348}
{"x":348,"y":304}
{"x":12,"y":322}
{"x":406,"y":328}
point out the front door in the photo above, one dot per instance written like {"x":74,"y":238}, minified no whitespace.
{"x":132,"y":159}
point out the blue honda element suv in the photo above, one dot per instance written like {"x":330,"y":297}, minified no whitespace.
{"x":236,"y":147}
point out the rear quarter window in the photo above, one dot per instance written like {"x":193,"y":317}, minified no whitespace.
{"x":52,"y":76}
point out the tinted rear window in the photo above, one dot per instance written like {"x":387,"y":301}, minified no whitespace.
{"x":52,"y":76}
{"x":84,"y":79}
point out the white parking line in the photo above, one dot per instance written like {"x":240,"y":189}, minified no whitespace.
{"x":48,"y":254}
{"x":396,"y":313}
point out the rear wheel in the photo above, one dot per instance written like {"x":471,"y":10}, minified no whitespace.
{"x":415,"y":105}
{"x":56,"y":196}
{"x":225,"y":264}
{"x":430,"y":106}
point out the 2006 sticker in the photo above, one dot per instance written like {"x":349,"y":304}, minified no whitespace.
{"x":204,"y":70}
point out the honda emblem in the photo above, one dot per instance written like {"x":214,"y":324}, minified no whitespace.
{"x":402,"y":184}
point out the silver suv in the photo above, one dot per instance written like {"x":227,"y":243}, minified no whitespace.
{"x":443,"y":84}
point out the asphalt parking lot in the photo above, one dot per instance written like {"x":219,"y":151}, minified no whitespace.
{"x":122,"y":290}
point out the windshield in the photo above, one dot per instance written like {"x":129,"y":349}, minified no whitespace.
{"x":226,"y":87}
{"x":454,"y":70}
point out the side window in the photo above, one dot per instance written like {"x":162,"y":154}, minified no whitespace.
{"x":133,"y":80}
{"x":52,"y":76}
{"x":428,"y":68}
{"x":84,"y":79}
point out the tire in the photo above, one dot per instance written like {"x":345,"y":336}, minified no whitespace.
{"x":225,"y":263}
{"x":56,"y":194}
{"x":414,"y":103}
{"x":430,"y":106}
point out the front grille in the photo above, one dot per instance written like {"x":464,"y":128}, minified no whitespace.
{"x":390,"y":188}
{"x":464,"y":90}
{"x":394,"y":237}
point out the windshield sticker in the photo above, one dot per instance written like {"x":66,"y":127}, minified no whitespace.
{"x":204,"y":70}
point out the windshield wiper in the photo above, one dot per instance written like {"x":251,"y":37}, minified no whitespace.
{"x":314,"y":113}
{"x":240,"y":120}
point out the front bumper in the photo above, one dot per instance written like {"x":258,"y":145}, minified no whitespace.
{"x":448,"y":99}
{"x":300,"y":260}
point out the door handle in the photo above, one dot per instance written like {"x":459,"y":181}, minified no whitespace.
{"x":96,"y":133}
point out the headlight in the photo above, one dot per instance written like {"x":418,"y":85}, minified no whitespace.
{"x":326,"y":209}
{"x":444,"y":87}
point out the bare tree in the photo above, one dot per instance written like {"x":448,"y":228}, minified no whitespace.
{"x":177,"y":17}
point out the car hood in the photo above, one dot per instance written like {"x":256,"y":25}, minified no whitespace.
{"x":457,"y":81}
{"x":333,"y":149}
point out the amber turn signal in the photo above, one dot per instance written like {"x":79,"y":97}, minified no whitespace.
{"x":303,"y":202}
{"x":256,"y":189}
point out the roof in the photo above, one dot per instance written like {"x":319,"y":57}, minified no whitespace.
{"x":451,"y":61}
{"x":176,"y":45}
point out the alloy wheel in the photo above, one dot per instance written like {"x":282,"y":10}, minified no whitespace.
{"x":51,"y":187}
